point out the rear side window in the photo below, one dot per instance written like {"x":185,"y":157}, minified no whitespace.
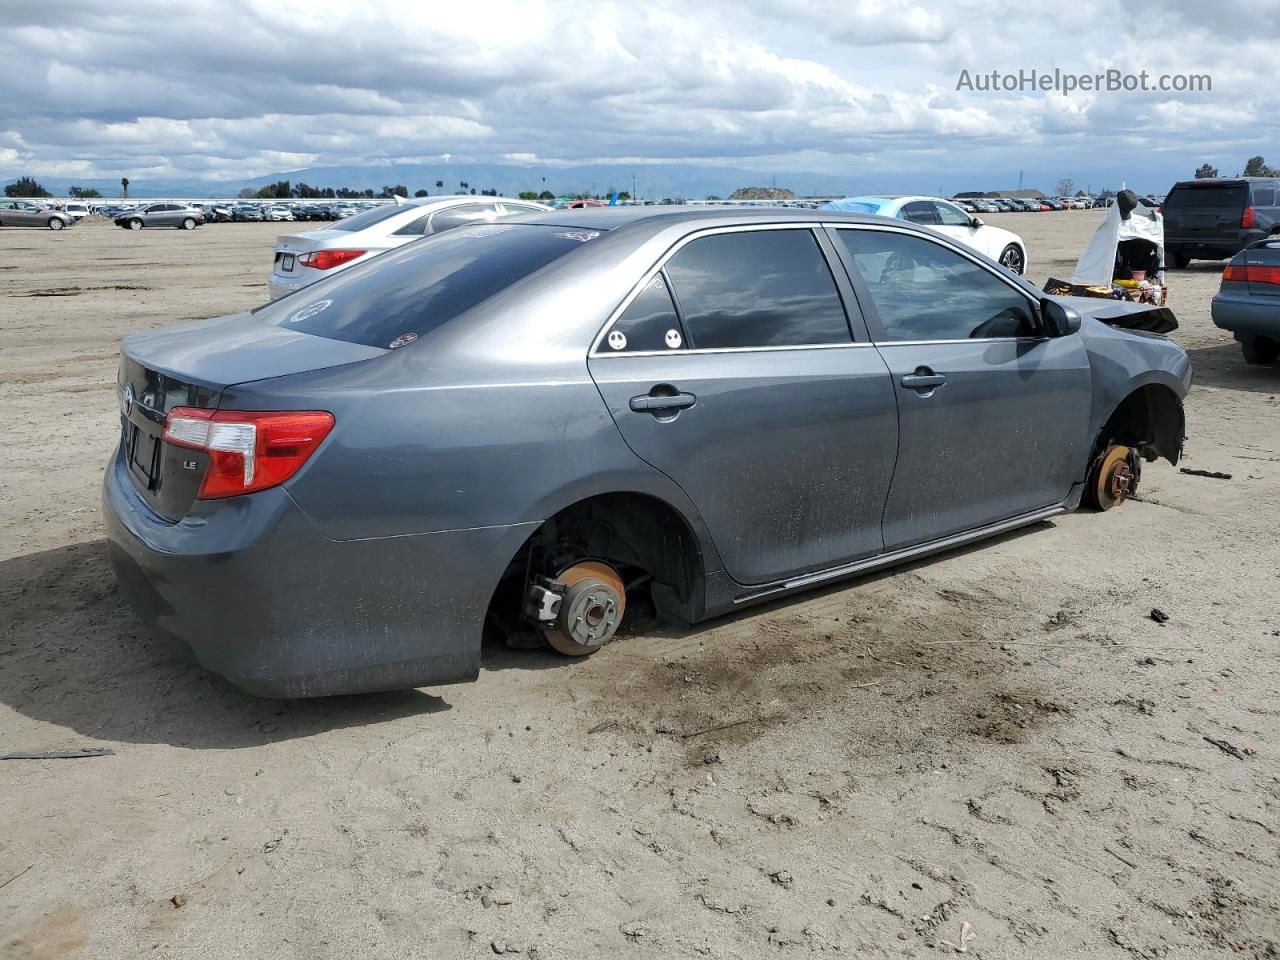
{"x":923,"y":291}
{"x":762,"y":288}
{"x":648,"y":323}
{"x":394,"y":298}
{"x":366,"y":219}
{"x":1226,"y":196}
{"x":919,"y":211}
{"x":1263,"y":196}
{"x":467,"y":213}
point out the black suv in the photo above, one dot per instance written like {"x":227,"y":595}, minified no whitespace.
{"x":1212,"y":219}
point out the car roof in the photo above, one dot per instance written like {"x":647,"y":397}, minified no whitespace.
{"x":651,"y":220}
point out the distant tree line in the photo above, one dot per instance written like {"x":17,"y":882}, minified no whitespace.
{"x":1254,"y":167}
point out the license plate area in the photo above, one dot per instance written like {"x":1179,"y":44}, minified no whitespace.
{"x":287,"y":261}
{"x":142,"y":454}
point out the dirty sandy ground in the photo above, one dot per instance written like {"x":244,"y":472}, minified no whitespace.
{"x":1001,"y":737}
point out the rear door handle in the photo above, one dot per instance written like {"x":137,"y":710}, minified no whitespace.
{"x":653,"y":404}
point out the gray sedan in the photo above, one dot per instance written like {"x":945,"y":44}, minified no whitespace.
{"x":25,"y":213}
{"x":533,"y":426}
{"x":181,"y":215}
{"x":1248,"y":304}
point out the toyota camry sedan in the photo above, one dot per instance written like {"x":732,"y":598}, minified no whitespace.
{"x":535,"y":427}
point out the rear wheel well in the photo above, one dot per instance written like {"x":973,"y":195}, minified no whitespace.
{"x":1150,"y":419}
{"x":645,"y":539}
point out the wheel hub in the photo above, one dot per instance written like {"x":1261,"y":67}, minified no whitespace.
{"x":590,"y":610}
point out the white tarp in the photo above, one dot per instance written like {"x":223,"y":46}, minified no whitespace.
{"x":1096,"y":265}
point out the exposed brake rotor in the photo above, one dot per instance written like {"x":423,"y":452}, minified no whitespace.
{"x":1116,"y":477}
{"x":590,"y":608}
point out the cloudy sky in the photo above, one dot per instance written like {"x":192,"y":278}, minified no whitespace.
{"x":223,"y":89}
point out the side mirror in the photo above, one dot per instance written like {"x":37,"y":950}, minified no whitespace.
{"x":1058,"y":319}
{"x":975,"y":222}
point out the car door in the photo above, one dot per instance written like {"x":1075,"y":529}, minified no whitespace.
{"x":733,"y":370}
{"x":27,"y":214}
{"x":919,"y":211}
{"x":8,"y":215}
{"x":993,"y":416}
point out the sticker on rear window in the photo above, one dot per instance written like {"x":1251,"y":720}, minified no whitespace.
{"x":617,"y":340}
{"x":310,"y":310}
{"x":582,"y":236}
{"x":402,"y":341}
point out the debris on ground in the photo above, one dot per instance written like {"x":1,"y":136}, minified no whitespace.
{"x":967,"y":936}
{"x":1211,"y":474}
{"x":1229,"y":749}
{"x":178,"y":900}
{"x":1159,"y":616}
{"x":601,"y":727}
{"x":61,"y":754}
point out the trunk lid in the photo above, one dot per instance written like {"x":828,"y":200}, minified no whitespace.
{"x":291,"y":246}
{"x":189,"y":366}
{"x":1263,"y":259}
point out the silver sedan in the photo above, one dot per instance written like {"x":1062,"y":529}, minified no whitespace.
{"x":303,"y":258}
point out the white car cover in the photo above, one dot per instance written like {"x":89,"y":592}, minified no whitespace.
{"x":1096,"y":265}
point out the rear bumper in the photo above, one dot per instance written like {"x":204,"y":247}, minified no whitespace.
{"x":1247,"y":316}
{"x":1213,"y":247}
{"x":259,"y":596}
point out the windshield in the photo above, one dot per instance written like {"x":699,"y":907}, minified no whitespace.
{"x":396,"y":297}
{"x":368,"y":218}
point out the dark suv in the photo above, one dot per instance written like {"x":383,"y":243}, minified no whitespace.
{"x":1212,"y":219}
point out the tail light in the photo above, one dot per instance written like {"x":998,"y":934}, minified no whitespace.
{"x":248,"y":450}
{"x":1247,"y":219}
{"x":328,"y":259}
{"x":1245,"y":273}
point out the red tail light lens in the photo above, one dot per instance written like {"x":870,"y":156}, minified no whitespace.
{"x":1245,"y":273}
{"x":1247,"y":219}
{"x":248,"y":450}
{"x":328,"y":259}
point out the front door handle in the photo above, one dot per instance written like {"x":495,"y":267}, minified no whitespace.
{"x":923,"y":379}
{"x":650,"y":403}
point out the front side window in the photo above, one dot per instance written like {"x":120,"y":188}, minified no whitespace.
{"x":950,"y":216}
{"x":759,"y":288}
{"x":648,"y":323}
{"x":923,"y":291}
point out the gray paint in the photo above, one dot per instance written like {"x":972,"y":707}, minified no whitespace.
{"x":372,"y":568}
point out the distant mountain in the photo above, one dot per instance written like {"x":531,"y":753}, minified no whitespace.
{"x":651,"y":180}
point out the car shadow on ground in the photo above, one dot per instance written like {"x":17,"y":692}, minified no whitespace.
{"x":1223,"y":366}
{"x":73,"y":655}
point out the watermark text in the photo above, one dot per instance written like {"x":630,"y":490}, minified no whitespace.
{"x":1060,"y":81}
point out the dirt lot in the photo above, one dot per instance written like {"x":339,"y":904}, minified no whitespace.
{"x":1002,"y":737}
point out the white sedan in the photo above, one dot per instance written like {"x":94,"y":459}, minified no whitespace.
{"x":1003,"y":246}
{"x":303,"y":258}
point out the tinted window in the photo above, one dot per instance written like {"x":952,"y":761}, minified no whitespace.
{"x":648,"y":323}
{"x":950,"y":216}
{"x":919,"y":212}
{"x":415,"y":227}
{"x":757,"y":289}
{"x":515,"y":209}
{"x":1215,"y":196}
{"x":410,"y":291}
{"x":467,"y":213}
{"x":924,"y":291}
{"x":1263,"y":196}
{"x":366,"y":219}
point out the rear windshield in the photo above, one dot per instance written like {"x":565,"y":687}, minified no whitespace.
{"x":398,"y":296}
{"x":367,"y":219}
{"x":1217,"y":196}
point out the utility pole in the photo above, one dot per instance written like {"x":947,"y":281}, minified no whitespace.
{"x":633,"y":187}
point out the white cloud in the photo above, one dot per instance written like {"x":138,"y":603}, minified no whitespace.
{"x":239,"y":88}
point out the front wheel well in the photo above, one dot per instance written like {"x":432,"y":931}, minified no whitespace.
{"x":1149,"y":419}
{"x":644,"y":538}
